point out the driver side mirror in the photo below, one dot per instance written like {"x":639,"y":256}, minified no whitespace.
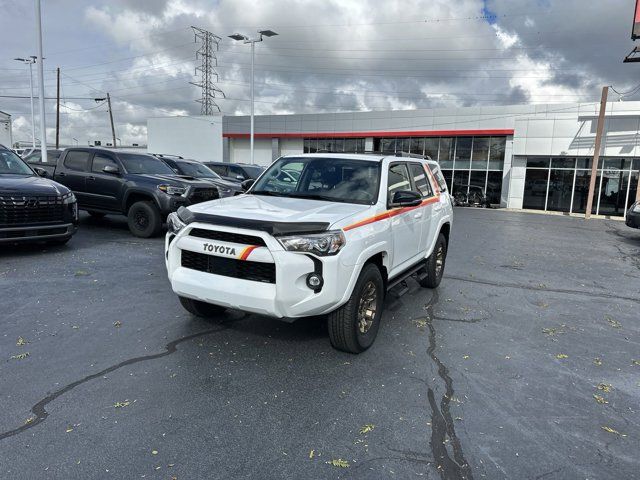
{"x":40,"y":171}
{"x":247,"y":184}
{"x":111,"y":169}
{"x":239,"y":177}
{"x":406,"y":198}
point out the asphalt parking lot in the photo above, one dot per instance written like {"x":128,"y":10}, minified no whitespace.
{"x":525,"y":363}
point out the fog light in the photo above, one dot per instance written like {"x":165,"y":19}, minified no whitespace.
{"x":314,"y":281}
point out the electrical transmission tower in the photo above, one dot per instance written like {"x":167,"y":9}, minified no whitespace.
{"x":208,"y":75}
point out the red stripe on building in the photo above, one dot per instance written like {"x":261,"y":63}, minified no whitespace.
{"x":412,"y":133}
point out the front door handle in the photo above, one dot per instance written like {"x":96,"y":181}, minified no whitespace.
{"x":61,"y":174}
{"x":91,"y":177}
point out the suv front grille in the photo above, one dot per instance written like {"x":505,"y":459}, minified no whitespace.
{"x":227,"y":237}
{"x":28,"y":209}
{"x":229,"y":267}
{"x":198,"y":195}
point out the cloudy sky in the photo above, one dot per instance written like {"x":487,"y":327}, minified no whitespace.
{"x":329,"y":56}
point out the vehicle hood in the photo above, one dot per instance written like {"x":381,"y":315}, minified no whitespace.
{"x":278,"y":209}
{"x":30,"y":185}
{"x":169,"y":179}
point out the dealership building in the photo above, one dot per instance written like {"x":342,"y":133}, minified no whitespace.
{"x":524,"y":156}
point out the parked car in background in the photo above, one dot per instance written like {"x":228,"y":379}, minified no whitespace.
{"x":35,"y":157}
{"x":474,"y":197}
{"x":33,"y":208}
{"x":195,"y":169}
{"x":633,"y":216}
{"x":235,"y":172}
{"x":344,"y":231}
{"x":137,"y":185}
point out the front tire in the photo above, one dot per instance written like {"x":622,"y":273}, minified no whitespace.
{"x":435,"y":264}
{"x":201,"y":309}
{"x":353,"y":327}
{"x":144,"y":219}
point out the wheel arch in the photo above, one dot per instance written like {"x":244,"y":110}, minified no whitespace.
{"x":137,"y":196}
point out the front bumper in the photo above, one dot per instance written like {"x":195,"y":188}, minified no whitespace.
{"x":37,"y":233}
{"x":288,"y":297}
{"x":633,"y":219}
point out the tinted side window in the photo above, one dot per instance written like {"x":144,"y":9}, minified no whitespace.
{"x":442,"y":184}
{"x":100,"y":161}
{"x":420,"y":179}
{"x":219,"y":169}
{"x":35,"y":157}
{"x":398,"y":179}
{"x":77,"y":160}
{"x":236,"y":171}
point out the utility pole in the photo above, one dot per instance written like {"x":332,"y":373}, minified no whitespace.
{"x":113,"y":130}
{"x":207,"y":54}
{"x":596,"y":151}
{"x":43,"y":123}
{"x":58,"y":109}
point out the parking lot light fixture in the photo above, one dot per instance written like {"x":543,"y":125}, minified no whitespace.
{"x":252,"y":41}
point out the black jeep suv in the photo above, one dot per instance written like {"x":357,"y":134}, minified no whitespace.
{"x":33,"y":208}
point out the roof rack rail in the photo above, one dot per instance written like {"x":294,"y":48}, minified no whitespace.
{"x":166,"y":155}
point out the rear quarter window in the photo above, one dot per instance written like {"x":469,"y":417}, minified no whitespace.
{"x":442,"y":184}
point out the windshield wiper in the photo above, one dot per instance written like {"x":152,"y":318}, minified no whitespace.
{"x":315,"y":196}
{"x":269,"y":193}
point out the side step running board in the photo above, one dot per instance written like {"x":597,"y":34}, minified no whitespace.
{"x":406,"y":274}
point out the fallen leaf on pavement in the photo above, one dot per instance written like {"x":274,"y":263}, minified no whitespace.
{"x":560,"y":356}
{"x":82,"y":273}
{"x":154,"y":452}
{"x":117,"y":323}
{"x":613,"y":322}
{"x":597,"y":361}
{"x":21,"y":342}
{"x":605,"y":387}
{"x":367,"y":428}
{"x":420,"y":323}
{"x":611,"y":430}
{"x":600,"y":399}
{"x":121,"y":404}
{"x":312,"y":453}
{"x":339,"y":463}
{"x":20,"y":356}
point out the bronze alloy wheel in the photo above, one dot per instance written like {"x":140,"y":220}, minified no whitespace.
{"x":367,"y":307}
{"x":439,"y":259}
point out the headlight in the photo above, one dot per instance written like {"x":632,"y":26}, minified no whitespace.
{"x":328,"y":243}
{"x":636,"y":208}
{"x":172,"y":190}
{"x":68,"y":198}
{"x":174,"y":223}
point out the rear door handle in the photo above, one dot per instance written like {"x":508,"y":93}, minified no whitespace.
{"x":91,"y":177}
{"x":61,"y":174}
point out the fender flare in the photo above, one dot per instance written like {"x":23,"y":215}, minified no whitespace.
{"x":365,"y":255}
{"x":145,"y":193}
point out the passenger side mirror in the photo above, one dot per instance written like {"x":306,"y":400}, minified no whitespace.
{"x":405,"y":198}
{"x":40,"y":171}
{"x":239,"y":177}
{"x":112,"y":169}
{"x":247,"y":184}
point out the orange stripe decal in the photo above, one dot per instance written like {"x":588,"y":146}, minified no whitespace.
{"x":247,"y":251}
{"x":390,"y":214}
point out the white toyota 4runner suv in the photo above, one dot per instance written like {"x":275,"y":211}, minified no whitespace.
{"x":316,"y":234}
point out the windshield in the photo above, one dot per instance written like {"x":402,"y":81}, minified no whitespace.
{"x":12,"y":164}
{"x":197,"y":170}
{"x":136,"y":163}
{"x":329,"y":179}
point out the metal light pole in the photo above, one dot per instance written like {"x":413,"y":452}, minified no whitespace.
{"x":43,"y":123}
{"x":252,"y":41}
{"x":30,"y":61}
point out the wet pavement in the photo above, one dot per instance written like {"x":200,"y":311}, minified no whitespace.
{"x":525,"y":363}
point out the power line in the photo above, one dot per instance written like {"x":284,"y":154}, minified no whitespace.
{"x":207,"y":55}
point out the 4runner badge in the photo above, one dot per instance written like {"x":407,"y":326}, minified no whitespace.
{"x":210,"y":247}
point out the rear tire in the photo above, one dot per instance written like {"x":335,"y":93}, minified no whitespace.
{"x":435,"y":264}
{"x":96,"y":214}
{"x":353,"y":327}
{"x":201,"y":309}
{"x":144,"y":219}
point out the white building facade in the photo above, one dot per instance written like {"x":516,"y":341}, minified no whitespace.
{"x":524,"y":156}
{"x":6,"y":138}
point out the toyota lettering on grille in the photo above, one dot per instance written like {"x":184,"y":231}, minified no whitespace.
{"x":210,"y":247}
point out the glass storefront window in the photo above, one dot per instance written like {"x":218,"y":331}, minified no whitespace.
{"x":460,"y":181}
{"x":581,"y":191}
{"x":463,"y":153}
{"x":496,"y":153}
{"x":480,"y":157}
{"x":447,"y":147}
{"x":535,"y":188}
{"x":613,"y":194}
{"x":339,"y":145}
{"x":478,"y":178}
{"x":494,"y":187}
{"x":560,"y":189}
{"x":448,"y":175}
{"x":387,"y":144}
{"x":403,"y":145}
{"x":417,"y":146}
{"x":350,"y":145}
{"x":431,"y":147}
{"x":584,"y":163}
{"x":538,"y":162}
{"x":563,"y":162}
